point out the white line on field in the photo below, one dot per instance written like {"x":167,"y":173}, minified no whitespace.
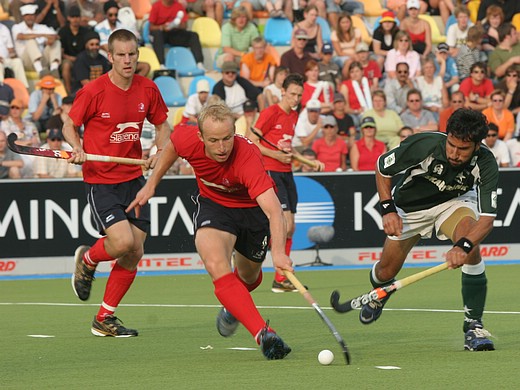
{"x":218,"y":306}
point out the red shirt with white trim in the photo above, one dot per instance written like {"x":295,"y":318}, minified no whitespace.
{"x":278,"y":127}
{"x":161,"y":14}
{"x":235,"y":183}
{"x":113,"y":121}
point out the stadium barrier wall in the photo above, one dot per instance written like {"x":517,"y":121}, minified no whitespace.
{"x":43,"y":221}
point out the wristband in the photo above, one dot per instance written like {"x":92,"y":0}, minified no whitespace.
{"x":465,"y":244}
{"x":387,"y":207}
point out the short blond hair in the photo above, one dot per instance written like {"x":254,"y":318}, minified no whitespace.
{"x":218,"y":112}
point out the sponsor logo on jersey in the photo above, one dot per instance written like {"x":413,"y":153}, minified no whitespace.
{"x":494,"y":198}
{"x":105,"y":115}
{"x":389,"y":160}
{"x":109,"y":218}
{"x":438,"y":169}
{"x":140,"y":107}
{"x":124,"y":135}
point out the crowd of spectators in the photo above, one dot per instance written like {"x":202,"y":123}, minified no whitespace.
{"x":361,"y":97}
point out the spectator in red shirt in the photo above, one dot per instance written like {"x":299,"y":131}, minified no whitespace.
{"x":168,"y":21}
{"x":366,"y":151}
{"x":477,"y":88}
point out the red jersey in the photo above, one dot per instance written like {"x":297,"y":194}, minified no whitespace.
{"x":161,"y":14}
{"x":113,"y":121}
{"x":235,"y":183}
{"x":277,"y":126}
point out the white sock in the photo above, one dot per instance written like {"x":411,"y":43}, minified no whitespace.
{"x":55,"y":65}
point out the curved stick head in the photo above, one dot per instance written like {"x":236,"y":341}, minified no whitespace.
{"x":339,"y":307}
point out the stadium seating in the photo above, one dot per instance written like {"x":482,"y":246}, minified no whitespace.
{"x":451,"y":20}
{"x":171,"y":91}
{"x":278,"y":32}
{"x":360,"y":25}
{"x":20,"y":92}
{"x":147,"y":54}
{"x":208,"y":30}
{"x":141,"y":8}
{"x":372,"y":7}
{"x":181,"y":59}
{"x":325,"y":29}
{"x":437,"y":37}
{"x":177,"y":117}
{"x":473,"y":7}
{"x":193,"y":84}
{"x":146,"y":33}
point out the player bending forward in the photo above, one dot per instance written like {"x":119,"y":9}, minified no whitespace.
{"x":450,"y":185}
{"x":236,"y":210}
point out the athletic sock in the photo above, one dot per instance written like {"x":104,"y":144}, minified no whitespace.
{"x":250,"y":287}
{"x":119,"y":282}
{"x":474,"y":290}
{"x":375,"y":281}
{"x":237,"y":300}
{"x":38,"y":67}
{"x":97,"y":253}
{"x":288,"y":245}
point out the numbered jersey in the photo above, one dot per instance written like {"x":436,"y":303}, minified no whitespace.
{"x":429,"y":179}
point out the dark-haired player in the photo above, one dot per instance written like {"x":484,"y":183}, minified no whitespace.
{"x":277,"y":123}
{"x":450,"y":186}
{"x":236,"y":210}
{"x":113,"y":108}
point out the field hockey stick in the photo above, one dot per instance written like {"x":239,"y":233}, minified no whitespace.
{"x":63,"y":154}
{"x":308,"y":297}
{"x":381,"y":292}
{"x":297,"y":157}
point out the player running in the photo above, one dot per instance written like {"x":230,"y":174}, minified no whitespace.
{"x":276,"y":124}
{"x":236,"y":210}
{"x":113,"y":108}
{"x":450,"y":185}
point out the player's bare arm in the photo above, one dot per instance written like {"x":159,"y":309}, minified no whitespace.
{"x":392,"y":223}
{"x":456,"y":257}
{"x":71,"y":134}
{"x":284,"y":157}
{"x":270,"y":205}
{"x":165,"y":160}
{"x":162,"y":138}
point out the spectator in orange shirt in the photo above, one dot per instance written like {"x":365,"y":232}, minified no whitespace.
{"x":258,"y":66}
{"x":501,"y":116}
{"x":456,"y":102}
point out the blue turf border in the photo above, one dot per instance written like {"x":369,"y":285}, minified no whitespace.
{"x":267,"y":269}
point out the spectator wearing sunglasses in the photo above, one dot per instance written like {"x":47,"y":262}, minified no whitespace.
{"x":501,"y":116}
{"x":497,"y":146}
{"x":511,"y":87}
{"x":415,"y":116}
{"x":397,"y":89}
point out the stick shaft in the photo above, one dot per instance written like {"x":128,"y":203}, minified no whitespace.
{"x":64,"y":154}
{"x":308,"y":297}
{"x":419,"y":276}
{"x":296,"y":157}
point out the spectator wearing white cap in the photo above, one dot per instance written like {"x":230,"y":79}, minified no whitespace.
{"x":8,"y":57}
{"x":36,"y":44}
{"x":196,"y":102}
{"x":371,"y":69}
{"x":418,"y":29}
{"x":308,"y":127}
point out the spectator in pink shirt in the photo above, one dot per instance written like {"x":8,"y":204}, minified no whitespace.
{"x":403,"y":52}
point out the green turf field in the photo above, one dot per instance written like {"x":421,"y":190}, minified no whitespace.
{"x":420,"y":332}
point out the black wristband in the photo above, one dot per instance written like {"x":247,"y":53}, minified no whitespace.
{"x":465,"y":244}
{"x":387,"y":207}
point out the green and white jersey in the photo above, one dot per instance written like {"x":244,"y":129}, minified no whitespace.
{"x":429,"y":179}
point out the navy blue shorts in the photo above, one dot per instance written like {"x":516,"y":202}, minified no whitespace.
{"x":108,"y":203}
{"x":250,"y":225}
{"x":286,"y":190}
